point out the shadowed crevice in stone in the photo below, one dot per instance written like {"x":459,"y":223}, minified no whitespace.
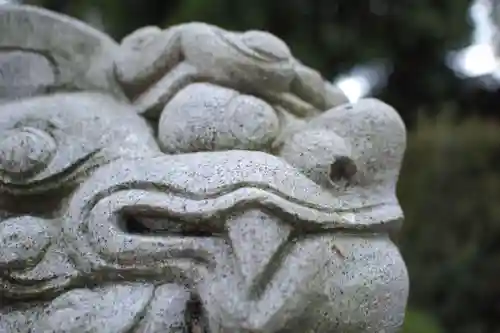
{"x":195,"y":317}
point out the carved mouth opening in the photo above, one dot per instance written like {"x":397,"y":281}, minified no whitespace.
{"x":150,"y":225}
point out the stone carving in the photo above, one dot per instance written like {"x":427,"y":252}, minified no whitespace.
{"x":189,"y":179}
{"x":494,"y":19}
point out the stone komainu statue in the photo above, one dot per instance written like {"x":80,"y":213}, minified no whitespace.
{"x":189,"y":179}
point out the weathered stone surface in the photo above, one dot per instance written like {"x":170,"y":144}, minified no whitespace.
{"x":41,"y":51}
{"x":189,"y":179}
{"x":205,"y":117}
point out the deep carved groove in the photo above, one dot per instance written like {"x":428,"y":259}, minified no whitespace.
{"x":195,"y":316}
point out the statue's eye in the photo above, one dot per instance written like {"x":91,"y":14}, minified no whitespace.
{"x":25,"y":151}
{"x":166,"y":226}
{"x":343,"y":168}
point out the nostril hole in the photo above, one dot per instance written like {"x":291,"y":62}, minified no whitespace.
{"x":342,"y":168}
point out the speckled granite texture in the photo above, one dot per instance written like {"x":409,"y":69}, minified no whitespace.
{"x":190,"y":179}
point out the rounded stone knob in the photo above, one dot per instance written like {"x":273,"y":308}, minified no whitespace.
{"x":25,"y":151}
{"x":22,"y":241}
{"x":206,"y":117}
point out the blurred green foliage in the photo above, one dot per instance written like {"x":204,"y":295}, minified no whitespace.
{"x":419,"y":322}
{"x":450,"y":193}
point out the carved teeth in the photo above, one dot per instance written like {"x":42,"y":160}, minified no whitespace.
{"x":108,"y":309}
{"x":256,"y":238}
